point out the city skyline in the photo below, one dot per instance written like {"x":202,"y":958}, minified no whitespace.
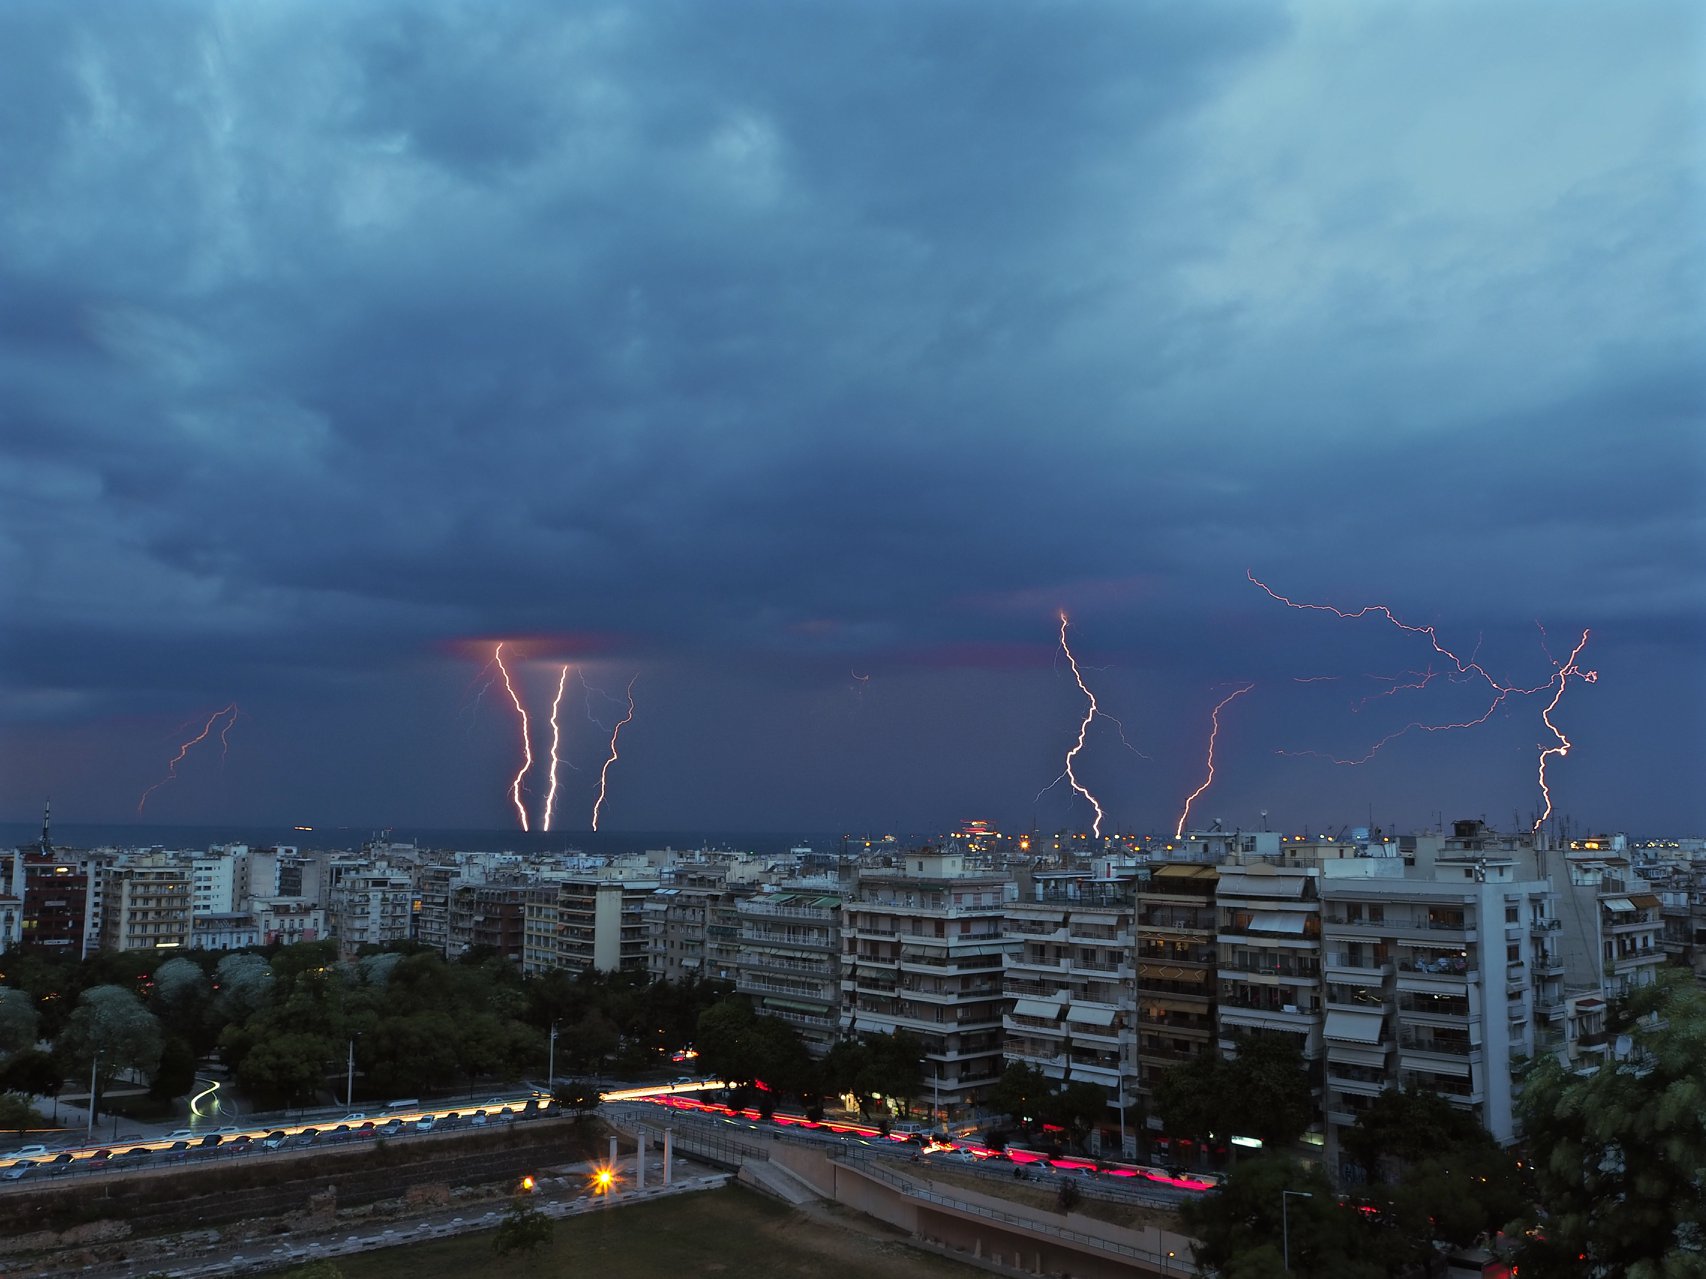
{"x":799,"y":371}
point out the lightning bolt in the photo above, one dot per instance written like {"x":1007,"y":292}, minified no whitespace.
{"x":556,"y":739}
{"x":229,"y":714}
{"x":1465,"y":669}
{"x":1422,"y":678}
{"x":1213,"y":732}
{"x":1562,"y":749}
{"x":1083,"y":728}
{"x":604,"y":773}
{"x":526,"y":742}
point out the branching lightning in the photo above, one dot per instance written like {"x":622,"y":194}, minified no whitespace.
{"x":1562,"y":749}
{"x":1083,"y":728}
{"x":526,"y":739}
{"x":1213,"y":733}
{"x":1465,"y":668}
{"x":604,"y":773}
{"x":556,"y":740}
{"x":229,"y":714}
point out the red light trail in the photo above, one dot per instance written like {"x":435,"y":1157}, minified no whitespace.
{"x":1083,"y":728}
{"x":556,"y":740}
{"x":526,"y":740}
{"x":1213,"y":732}
{"x":604,"y":773}
{"x":229,"y":714}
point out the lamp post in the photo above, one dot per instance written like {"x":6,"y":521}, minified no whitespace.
{"x":94,"y":1066}
{"x":1285,"y":1223}
{"x":551,"y":1063}
{"x":349,"y":1077}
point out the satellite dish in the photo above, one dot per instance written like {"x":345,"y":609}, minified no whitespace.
{"x":1622,"y":1046}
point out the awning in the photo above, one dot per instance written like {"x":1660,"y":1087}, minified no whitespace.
{"x":1048,"y":1011}
{"x":794,"y":1005}
{"x":1354,"y":1028}
{"x":1278,"y":921}
{"x":1289,"y":886}
{"x":1619,"y":905}
{"x":1090,"y":1015}
{"x":1646,"y":901}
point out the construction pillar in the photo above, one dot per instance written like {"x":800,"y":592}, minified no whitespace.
{"x":668,"y":1153}
{"x":640,"y":1144}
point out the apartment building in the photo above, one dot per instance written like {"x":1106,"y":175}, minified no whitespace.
{"x":1268,"y":939}
{"x":145,"y":905}
{"x":924,"y":948}
{"x":371,"y":907}
{"x":1430,"y":984}
{"x":492,"y":917}
{"x":589,"y":920}
{"x":790,"y":959}
{"x":1070,"y":981}
{"x":1177,"y":969}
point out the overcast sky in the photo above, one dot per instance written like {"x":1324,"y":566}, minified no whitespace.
{"x":801,"y":362}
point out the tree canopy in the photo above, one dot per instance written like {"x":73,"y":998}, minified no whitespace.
{"x":1619,"y":1150}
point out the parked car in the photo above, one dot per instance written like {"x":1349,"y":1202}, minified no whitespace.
{"x":136,"y":1154}
{"x":99,"y":1158}
{"x":59,"y":1163}
{"x":477,"y":1119}
{"x":18,"y":1169}
{"x":28,"y":1152}
{"x":425,"y":1123}
{"x":274,"y":1139}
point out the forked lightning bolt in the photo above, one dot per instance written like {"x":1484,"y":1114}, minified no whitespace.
{"x":556,"y":741}
{"x":1470,"y":668}
{"x":229,"y":714}
{"x":526,"y":739}
{"x":1069,"y":773}
{"x":1562,"y":749}
{"x":1213,"y":732}
{"x":604,"y":773}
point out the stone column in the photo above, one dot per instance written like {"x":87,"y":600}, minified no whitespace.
{"x":640,"y":1144}
{"x":668,"y":1153}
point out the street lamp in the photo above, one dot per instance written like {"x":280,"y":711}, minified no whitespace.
{"x":1285,"y":1223}
{"x":94,"y":1065}
{"x":349,"y":1075}
{"x":551,"y":1063}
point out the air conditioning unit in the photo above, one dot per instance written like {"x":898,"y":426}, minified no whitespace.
{"x":1288,"y":1008}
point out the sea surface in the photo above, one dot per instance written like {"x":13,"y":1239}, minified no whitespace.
{"x":73,"y":835}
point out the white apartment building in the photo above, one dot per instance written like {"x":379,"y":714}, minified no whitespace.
{"x":1430,"y":983}
{"x":924,"y":947}
{"x":1071,"y":983}
{"x":215,"y":883}
{"x":145,"y":904}
{"x":1269,"y":963}
{"x":790,"y":959}
{"x":370,"y":908}
{"x":595,"y":920}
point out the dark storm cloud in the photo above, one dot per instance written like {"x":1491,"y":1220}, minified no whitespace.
{"x":774,"y":338}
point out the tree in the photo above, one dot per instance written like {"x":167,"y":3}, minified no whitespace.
{"x":1189,"y":1097}
{"x":1021,"y":1093}
{"x":1618,"y":1151}
{"x":35,"y":1073}
{"x":111,"y":1027}
{"x":1266,"y":1091}
{"x":285,"y":1069}
{"x":175,"y":1074}
{"x":244,"y":984}
{"x":1238,"y":1223}
{"x":522,"y":1229}
{"x":577,"y":1096}
{"x":16,"y":1113}
{"x":18,"y":1021}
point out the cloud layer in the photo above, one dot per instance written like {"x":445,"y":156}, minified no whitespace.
{"x":757,"y":347}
